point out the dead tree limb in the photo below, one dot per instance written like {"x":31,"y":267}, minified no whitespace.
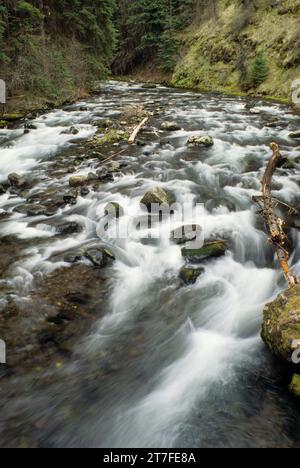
{"x":275,"y":225}
{"x":137,"y":130}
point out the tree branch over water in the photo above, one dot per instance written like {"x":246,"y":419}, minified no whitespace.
{"x":274,"y":224}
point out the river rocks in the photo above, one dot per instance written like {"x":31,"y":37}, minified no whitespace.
{"x":205,"y":140}
{"x":149,"y":86}
{"x":185,"y":234}
{"x":295,"y":134}
{"x":104,"y":175}
{"x":70,"y":197}
{"x":15,"y":180}
{"x":114,"y":210}
{"x":33,"y":210}
{"x":295,"y":385}
{"x":213,"y":249}
{"x":281,"y":323}
{"x":159,"y":196}
{"x":170,"y":126}
{"x":78,"y":181}
{"x":189,"y":275}
{"x":99,"y":256}
{"x":84,"y":191}
{"x":69,"y":228}
{"x":70,"y":131}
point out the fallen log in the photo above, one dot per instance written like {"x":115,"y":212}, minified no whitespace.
{"x":137,"y":130}
{"x":274,"y":224}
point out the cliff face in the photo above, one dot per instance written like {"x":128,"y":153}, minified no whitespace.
{"x":242,"y":46}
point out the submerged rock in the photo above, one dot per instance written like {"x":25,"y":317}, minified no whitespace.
{"x":32,"y":210}
{"x":295,"y":134}
{"x":159,"y":196}
{"x":210,"y":250}
{"x":281,"y":323}
{"x":70,"y":131}
{"x":99,"y":256}
{"x":170,"y":126}
{"x":295,"y":385}
{"x":189,"y":275}
{"x":69,"y":228}
{"x":200,"y":141}
{"x":149,"y":86}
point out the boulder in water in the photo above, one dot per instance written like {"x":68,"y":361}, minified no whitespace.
{"x":159,"y":196}
{"x":70,"y":131}
{"x":170,"y":126}
{"x":78,"y":181}
{"x":189,"y":275}
{"x":149,"y":86}
{"x":281,"y":323}
{"x":213,"y":249}
{"x":205,"y":140}
{"x":15,"y":180}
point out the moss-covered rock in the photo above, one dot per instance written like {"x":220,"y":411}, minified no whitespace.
{"x":158,"y":196}
{"x":295,"y":134}
{"x":78,"y":181}
{"x":281,"y":323}
{"x":197,"y":140}
{"x":210,"y":250}
{"x":295,"y":385}
{"x":189,"y":275}
{"x":111,"y":137}
{"x":12,"y":117}
{"x":2,"y":124}
{"x":170,"y":126}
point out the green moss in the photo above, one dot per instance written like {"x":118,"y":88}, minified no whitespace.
{"x":209,"y":250}
{"x":2,"y":124}
{"x":281,"y":323}
{"x":12,"y":117}
{"x":112,"y":136}
{"x":295,"y":385}
{"x":190,"y":275}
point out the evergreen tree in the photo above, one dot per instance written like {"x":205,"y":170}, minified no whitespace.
{"x":259,"y":70}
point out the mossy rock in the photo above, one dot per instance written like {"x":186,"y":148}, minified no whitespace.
{"x":158,"y":196}
{"x":281,"y":323}
{"x":170,"y":126}
{"x":289,"y":164}
{"x":111,"y":137}
{"x":194,"y":141}
{"x":189,"y":275}
{"x":295,"y":385}
{"x":2,"y":124}
{"x":210,"y":250}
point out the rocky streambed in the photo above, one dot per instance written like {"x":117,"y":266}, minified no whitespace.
{"x":139,"y":339}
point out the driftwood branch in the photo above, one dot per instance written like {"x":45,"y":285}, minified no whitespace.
{"x":274,"y":224}
{"x":137,"y":130}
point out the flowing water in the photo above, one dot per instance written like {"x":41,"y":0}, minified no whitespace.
{"x":167,"y":365}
